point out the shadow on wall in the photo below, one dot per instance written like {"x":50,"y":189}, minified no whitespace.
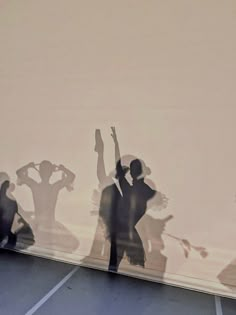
{"x":227,"y":277}
{"x":126,"y":232}
{"x":15,"y":232}
{"x":48,"y":232}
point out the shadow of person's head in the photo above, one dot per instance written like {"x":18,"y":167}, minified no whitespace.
{"x":46,"y":169}
{"x":4,"y":187}
{"x":132,"y":167}
{"x":5,"y":183}
{"x":139,"y":169}
{"x":3,"y":178}
{"x":136,"y":169}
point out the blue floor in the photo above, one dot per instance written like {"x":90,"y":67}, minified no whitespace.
{"x":28,"y":281}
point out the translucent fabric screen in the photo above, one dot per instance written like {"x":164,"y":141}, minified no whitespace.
{"x":158,"y":188}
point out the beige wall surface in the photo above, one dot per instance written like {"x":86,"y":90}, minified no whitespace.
{"x":163,"y":73}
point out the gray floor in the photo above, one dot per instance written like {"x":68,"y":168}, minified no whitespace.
{"x":26,"y":280}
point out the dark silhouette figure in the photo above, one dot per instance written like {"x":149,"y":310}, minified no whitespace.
{"x":122,"y":206}
{"x":8,"y":209}
{"x":121,"y":211}
{"x":112,"y":201}
{"x":13,"y":226}
{"x":111,"y":211}
{"x":100,"y":247}
{"x":45,"y":194}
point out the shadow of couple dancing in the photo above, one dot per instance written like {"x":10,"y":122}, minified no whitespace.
{"x":128,"y":229}
{"x":122,"y":200}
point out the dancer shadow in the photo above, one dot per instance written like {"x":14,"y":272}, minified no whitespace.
{"x":126,"y":231}
{"x":151,"y":231}
{"x":227,"y":276}
{"x":121,"y":203}
{"x":15,"y":232}
{"x":121,"y":210}
{"x":49,"y":233}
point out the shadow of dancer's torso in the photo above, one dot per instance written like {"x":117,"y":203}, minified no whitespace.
{"x":48,"y":231}
{"x":44,"y":192}
{"x":45,"y":198}
{"x":140,"y":194}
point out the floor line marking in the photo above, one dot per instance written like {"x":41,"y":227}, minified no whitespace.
{"x":218,"y":305}
{"x":51,"y":292}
